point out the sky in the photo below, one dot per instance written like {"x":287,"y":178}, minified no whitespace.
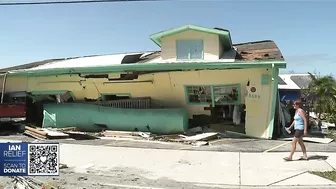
{"x":303,"y":30}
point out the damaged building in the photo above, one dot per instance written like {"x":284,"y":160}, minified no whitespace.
{"x":197,"y":78}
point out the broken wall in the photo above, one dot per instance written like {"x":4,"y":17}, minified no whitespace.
{"x":91,"y":117}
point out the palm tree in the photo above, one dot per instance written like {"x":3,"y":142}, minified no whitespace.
{"x":323,"y":94}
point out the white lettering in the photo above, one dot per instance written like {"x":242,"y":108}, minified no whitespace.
{"x":14,"y":147}
{"x":14,"y":170}
{"x":14,"y":153}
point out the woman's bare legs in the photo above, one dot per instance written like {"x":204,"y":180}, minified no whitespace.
{"x":303,"y":148}
{"x":295,"y":140}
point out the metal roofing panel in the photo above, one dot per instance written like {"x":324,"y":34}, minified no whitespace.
{"x":301,"y":80}
{"x":294,"y":81}
{"x":93,"y":61}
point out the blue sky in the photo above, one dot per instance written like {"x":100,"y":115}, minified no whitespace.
{"x":304,"y":31}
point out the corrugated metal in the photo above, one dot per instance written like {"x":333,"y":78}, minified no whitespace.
{"x":294,"y":81}
{"x":134,"y":103}
{"x":91,"y":117}
{"x":91,"y":61}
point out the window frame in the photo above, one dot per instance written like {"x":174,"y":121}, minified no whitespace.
{"x":189,"y":41}
{"x":212,"y":93}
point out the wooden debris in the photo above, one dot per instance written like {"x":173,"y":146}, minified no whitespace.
{"x":200,"y":143}
{"x":36,"y":131}
{"x":54,"y":134}
{"x":35,"y":135}
{"x":201,"y":137}
{"x":67,"y":129}
{"x":126,"y":134}
{"x":77,"y":135}
{"x":43,"y":133}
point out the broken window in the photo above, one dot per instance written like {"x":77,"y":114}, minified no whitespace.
{"x":199,"y":94}
{"x":220,"y":95}
{"x":226,"y":94}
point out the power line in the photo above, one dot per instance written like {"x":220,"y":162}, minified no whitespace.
{"x":69,"y":2}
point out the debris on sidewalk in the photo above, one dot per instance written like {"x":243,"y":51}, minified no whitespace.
{"x":200,"y":143}
{"x":43,"y":133}
{"x":35,"y":133}
{"x":79,"y":135}
{"x":126,"y":134}
{"x":190,"y":137}
{"x":201,"y":137}
{"x":29,"y":182}
{"x":240,"y":135}
{"x":51,"y":133}
{"x":313,"y":139}
{"x":63,"y":166}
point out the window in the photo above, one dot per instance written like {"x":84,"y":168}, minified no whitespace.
{"x":226,"y":94}
{"x":199,"y":94}
{"x":189,"y":49}
{"x":214,"y":95}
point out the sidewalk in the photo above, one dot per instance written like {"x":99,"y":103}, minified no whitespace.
{"x":204,"y":167}
{"x":197,"y":168}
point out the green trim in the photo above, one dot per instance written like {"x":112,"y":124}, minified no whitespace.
{"x":48,"y":92}
{"x":102,"y":95}
{"x":212,"y":103}
{"x":265,"y":79}
{"x":152,"y":67}
{"x":186,"y":94}
{"x":212,"y":97}
{"x":275,"y":76}
{"x":224,"y":35}
{"x":189,"y":54}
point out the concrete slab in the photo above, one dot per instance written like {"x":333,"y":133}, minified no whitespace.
{"x":269,"y":168}
{"x":330,"y":158}
{"x":305,"y":179}
{"x":181,"y":166}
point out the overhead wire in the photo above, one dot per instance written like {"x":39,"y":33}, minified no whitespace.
{"x":70,"y":2}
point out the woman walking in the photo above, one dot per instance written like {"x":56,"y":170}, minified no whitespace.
{"x":300,"y":127}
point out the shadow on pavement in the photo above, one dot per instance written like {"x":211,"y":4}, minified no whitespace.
{"x":317,"y":157}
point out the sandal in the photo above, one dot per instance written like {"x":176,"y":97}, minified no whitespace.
{"x":287,"y":159}
{"x":303,"y":158}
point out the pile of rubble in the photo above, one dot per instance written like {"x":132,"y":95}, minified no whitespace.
{"x":19,"y":182}
{"x":195,"y":136}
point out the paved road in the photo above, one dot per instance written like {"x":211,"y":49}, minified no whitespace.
{"x":202,"y":167}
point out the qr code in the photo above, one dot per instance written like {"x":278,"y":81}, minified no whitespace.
{"x":43,"y":159}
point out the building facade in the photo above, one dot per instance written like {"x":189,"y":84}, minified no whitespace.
{"x":196,"y":68}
